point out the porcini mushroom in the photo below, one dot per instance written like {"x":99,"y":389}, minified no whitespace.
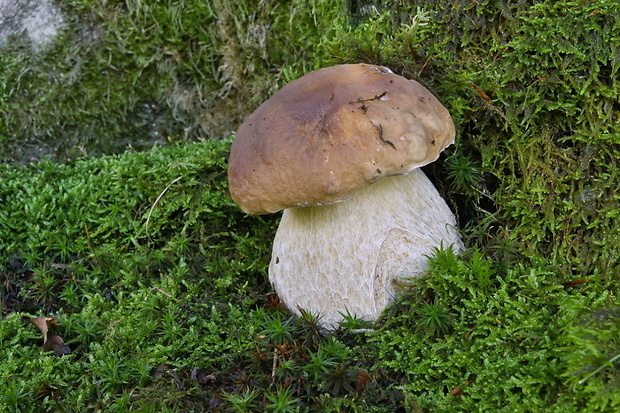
{"x":339,"y":150}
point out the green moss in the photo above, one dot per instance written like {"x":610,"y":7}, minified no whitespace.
{"x":536,"y":109}
{"x":139,"y":276}
{"x":511,"y":334}
{"x":131,"y":74}
{"x":147,"y":263}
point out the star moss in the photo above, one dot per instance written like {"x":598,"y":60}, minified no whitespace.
{"x":159,"y":282}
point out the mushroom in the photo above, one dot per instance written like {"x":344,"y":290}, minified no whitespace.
{"x":339,"y":150}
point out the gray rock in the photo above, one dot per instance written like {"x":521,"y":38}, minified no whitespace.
{"x":39,"y":20}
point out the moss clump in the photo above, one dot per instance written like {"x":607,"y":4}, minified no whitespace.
{"x":145,"y":261}
{"x":137,"y":73}
{"x":515,"y":340}
{"x":537,"y":110}
{"x":159,"y":284}
{"x":166,"y":209}
{"x":147,"y":287}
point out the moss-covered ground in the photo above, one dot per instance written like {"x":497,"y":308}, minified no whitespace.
{"x":156,"y":282}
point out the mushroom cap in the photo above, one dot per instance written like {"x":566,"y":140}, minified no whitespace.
{"x":324,"y":136}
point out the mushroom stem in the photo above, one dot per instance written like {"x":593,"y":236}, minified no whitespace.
{"x":347,"y":256}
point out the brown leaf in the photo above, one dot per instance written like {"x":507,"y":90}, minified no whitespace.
{"x":57,"y":345}
{"x":456,"y":391}
{"x":576,"y":282}
{"x":362,"y":380}
{"x":163,"y":369}
{"x":51,"y":342}
{"x":43,"y":324}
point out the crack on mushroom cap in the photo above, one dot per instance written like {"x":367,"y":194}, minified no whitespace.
{"x":324,"y":136}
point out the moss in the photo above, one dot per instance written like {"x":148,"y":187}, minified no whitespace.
{"x":511,"y":333}
{"x":142,"y":258}
{"x":536,"y":109}
{"x":131,"y":74}
{"x":146,"y":262}
{"x":158,"y":282}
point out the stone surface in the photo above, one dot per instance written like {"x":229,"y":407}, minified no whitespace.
{"x":39,"y":20}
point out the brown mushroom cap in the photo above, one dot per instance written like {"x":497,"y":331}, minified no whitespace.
{"x":324,"y":136}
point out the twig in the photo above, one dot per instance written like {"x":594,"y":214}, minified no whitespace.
{"x":274,"y":365}
{"x":614,"y":358}
{"x":90,"y":244}
{"x":148,"y":218}
{"x":163,"y":292}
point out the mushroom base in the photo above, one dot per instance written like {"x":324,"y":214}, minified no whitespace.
{"x":347,"y":256}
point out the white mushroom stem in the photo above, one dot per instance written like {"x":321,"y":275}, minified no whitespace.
{"x":347,"y":256}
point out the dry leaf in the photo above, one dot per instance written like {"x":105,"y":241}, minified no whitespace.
{"x":51,"y":342}
{"x":163,"y":369}
{"x":43,"y":324}
{"x":57,"y":345}
{"x":362,"y":380}
{"x":456,"y":391}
